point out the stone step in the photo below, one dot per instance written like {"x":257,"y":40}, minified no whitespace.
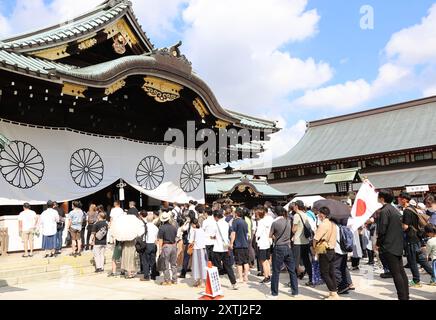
{"x":7,"y":263}
{"x":53,"y":266}
{"x":64,"y":274}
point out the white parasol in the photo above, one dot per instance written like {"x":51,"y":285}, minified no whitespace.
{"x":127,"y":227}
{"x":308,"y":201}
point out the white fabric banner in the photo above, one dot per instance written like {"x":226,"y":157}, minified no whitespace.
{"x":60,"y":164}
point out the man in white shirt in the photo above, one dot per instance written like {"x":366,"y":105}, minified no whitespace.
{"x":343,"y":278}
{"x":27,"y":220}
{"x":221,"y":252}
{"x":209,"y":227}
{"x":149,"y":254}
{"x":48,"y":224}
{"x":116,"y":211}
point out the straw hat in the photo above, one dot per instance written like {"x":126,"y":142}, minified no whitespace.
{"x":165,"y":216}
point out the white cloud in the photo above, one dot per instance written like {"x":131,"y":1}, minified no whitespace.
{"x":236,"y":47}
{"x":5,"y":28}
{"x":157,"y":16}
{"x":406,"y":52}
{"x":417,"y":44}
{"x":339,"y":96}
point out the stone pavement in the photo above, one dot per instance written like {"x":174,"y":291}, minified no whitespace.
{"x":369,"y":286}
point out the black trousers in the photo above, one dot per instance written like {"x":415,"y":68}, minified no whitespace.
{"x":222,"y":259}
{"x":302,"y":254}
{"x":342,"y":274}
{"x":186,"y":258}
{"x":209,"y":251}
{"x":327,"y":269}
{"x":88,"y":236}
{"x":355,"y":262}
{"x":149,"y":259}
{"x":370,"y":256}
{"x":395,"y":265}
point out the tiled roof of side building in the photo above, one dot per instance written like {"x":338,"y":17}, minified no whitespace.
{"x":404,"y":126}
{"x":254,"y":122}
{"x":77,"y":28}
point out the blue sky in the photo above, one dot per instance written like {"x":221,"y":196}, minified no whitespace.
{"x":290,"y":60}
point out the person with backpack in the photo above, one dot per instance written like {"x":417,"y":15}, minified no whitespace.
{"x":60,"y":227}
{"x":390,"y":241}
{"x":413,"y":229}
{"x":281,"y":234}
{"x":186,"y":230}
{"x":343,"y":277}
{"x":221,"y":253}
{"x":303,"y":234}
{"x":98,"y":240}
{"x":75,"y":226}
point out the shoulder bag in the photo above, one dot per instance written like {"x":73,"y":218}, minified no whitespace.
{"x":225,"y":243}
{"x":141,"y":241}
{"x":322,"y":245}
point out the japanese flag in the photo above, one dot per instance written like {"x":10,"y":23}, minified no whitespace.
{"x":364,"y":206}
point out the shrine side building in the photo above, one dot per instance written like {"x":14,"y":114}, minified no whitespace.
{"x":394,"y":147}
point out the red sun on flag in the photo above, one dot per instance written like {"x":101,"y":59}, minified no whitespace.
{"x":361,"y":208}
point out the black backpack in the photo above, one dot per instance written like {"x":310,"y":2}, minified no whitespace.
{"x":141,"y":241}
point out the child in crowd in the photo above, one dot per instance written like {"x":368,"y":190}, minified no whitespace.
{"x":430,"y":231}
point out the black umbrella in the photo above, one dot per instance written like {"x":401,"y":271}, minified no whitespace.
{"x":339,"y":211}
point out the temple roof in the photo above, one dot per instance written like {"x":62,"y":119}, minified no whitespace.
{"x":80,"y":27}
{"x":159,"y":63}
{"x":404,"y":126}
{"x":382,"y":179}
{"x":226,"y":184}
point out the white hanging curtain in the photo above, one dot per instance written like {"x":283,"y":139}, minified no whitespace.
{"x":59,"y":164}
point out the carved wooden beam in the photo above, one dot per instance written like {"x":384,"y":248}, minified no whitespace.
{"x":74,"y":90}
{"x":200,"y":107}
{"x":161,"y":90}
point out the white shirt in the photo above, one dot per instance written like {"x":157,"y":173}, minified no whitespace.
{"x":27,"y":218}
{"x":262,"y":234}
{"x":116,"y":212}
{"x":48,"y":222}
{"x":199,"y":238}
{"x":152,"y":231}
{"x":209,"y":227}
{"x":338,"y":249}
{"x":222,"y":236}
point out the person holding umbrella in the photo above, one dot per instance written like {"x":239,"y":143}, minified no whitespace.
{"x":324,"y":243}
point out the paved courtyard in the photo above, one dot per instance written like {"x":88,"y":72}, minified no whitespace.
{"x":98,"y":286}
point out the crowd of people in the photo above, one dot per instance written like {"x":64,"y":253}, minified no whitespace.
{"x":298,"y":240}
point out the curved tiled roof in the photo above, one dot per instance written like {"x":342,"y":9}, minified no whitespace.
{"x":104,"y":74}
{"x":88,"y":23}
{"x":404,"y":126}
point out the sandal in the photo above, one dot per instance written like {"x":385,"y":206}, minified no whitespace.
{"x":25,"y":256}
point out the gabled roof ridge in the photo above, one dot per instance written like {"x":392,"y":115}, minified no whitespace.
{"x":370,"y":112}
{"x":58,"y":25}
